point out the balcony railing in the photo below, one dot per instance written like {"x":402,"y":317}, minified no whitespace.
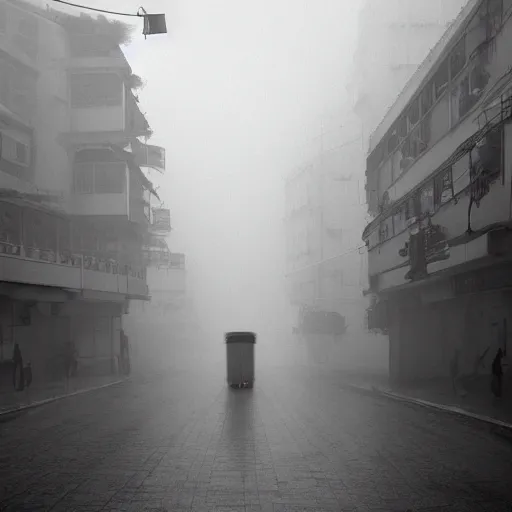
{"x":64,"y":269}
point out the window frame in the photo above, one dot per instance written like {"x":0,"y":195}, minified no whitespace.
{"x":80,"y":98}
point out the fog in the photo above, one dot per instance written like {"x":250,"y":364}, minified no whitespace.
{"x":235,"y":92}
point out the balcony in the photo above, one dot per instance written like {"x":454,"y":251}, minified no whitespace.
{"x":41,"y":246}
{"x":97,"y":102}
{"x":103,"y":107}
{"x":397,"y":257}
{"x":101,"y":188}
{"x":107,"y":185}
{"x":76,"y":272}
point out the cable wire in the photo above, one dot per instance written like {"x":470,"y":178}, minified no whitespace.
{"x":318,"y":263}
{"x":115,"y":13}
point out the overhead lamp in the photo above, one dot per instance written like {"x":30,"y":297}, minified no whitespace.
{"x":153,"y":23}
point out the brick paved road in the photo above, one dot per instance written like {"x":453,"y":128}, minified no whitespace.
{"x":296,"y":442}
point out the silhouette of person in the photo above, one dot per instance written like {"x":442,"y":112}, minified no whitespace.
{"x":18,"y":366}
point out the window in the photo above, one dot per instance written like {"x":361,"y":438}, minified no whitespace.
{"x":478,"y":78}
{"x":458,"y":58}
{"x":392,"y":141}
{"x":487,"y":156}
{"x":427,"y":199}
{"x":109,"y":178}
{"x":412,"y":208}
{"x":441,"y":80}
{"x":21,"y":153}
{"x":17,"y":90}
{"x":443,"y":188}
{"x":406,"y":159}
{"x":402,"y":127}
{"x":96,"y":90}
{"x":84,"y":178}
{"x":414,"y":113}
{"x":427,"y":97}
{"x":374,"y":158}
{"x":14,"y":151}
{"x":10,"y":216}
{"x":400,"y":219}
{"x":455,"y":101}
{"x":470,"y":90}
{"x":494,"y":16}
{"x":3,"y":18}
{"x":27,"y":37}
{"x":7,"y":72}
{"x":418,"y":141}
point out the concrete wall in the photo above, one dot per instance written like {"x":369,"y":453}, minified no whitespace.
{"x":101,"y":204}
{"x":424,"y":337}
{"x":50,"y":118}
{"x":53,"y":165}
{"x":40,"y":339}
{"x":95,"y":330}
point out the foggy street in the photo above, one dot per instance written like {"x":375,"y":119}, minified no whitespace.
{"x":256,"y":255}
{"x":298,"y":441}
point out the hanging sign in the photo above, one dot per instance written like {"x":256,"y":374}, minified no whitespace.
{"x":161,"y":220}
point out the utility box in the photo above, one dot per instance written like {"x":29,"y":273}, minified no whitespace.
{"x":240,"y":359}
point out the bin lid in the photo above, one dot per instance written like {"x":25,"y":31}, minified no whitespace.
{"x":240,"y":337}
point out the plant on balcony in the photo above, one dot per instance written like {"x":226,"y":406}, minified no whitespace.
{"x":135,"y":82}
{"x":117,"y":32}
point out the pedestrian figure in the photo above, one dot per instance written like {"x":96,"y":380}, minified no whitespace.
{"x":18,"y":380}
{"x":125,"y":353}
{"x":497,"y":375}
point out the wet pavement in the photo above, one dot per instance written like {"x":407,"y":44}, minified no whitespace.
{"x":298,"y":441}
{"x":42,"y":392}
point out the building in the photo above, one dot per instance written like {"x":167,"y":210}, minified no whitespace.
{"x":394,"y":37}
{"x":162,"y":330}
{"x":324,"y":212}
{"x":327,"y":263}
{"x":75,"y":206}
{"x":439,"y":177}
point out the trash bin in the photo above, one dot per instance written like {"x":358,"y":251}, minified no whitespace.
{"x":240,"y":359}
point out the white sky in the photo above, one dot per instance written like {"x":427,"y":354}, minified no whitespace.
{"x":232,"y":92}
